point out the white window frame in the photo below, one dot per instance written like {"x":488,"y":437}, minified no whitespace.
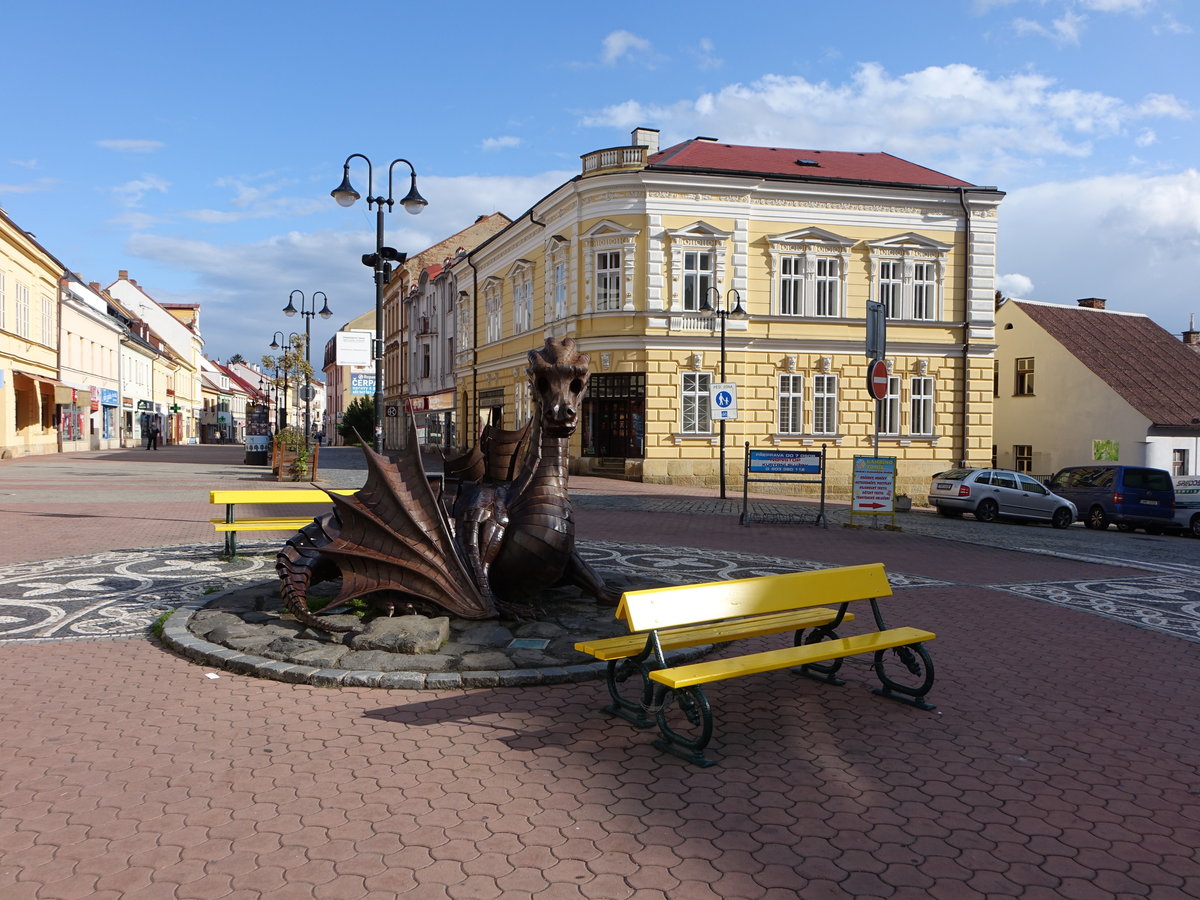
{"x":825,"y":404}
{"x":809,"y":273}
{"x":493,"y":310}
{"x":908,"y":275}
{"x":608,"y":279}
{"x":699,"y":237}
{"x":22,"y":318}
{"x":557,"y":287}
{"x":3,"y":299}
{"x":560,"y":290}
{"x":606,"y":235}
{"x":889,"y":418}
{"x":521,"y":278}
{"x":47,"y":321}
{"x":791,"y":404}
{"x":920,"y":405}
{"x":695,"y":390}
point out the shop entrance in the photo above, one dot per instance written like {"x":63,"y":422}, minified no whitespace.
{"x":614,"y":415}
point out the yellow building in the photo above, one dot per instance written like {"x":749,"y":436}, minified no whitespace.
{"x":629,"y":256}
{"x":30,"y":390}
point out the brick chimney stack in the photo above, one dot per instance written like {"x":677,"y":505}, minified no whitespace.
{"x":1191,"y":337}
{"x":1092,"y":302}
{"x":122,"y":275}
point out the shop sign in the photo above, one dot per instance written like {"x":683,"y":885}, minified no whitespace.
{"x":127,"y":402}
{"x":145,"y":405}
{"x":441,"y":401}
{"x":108,"y":397}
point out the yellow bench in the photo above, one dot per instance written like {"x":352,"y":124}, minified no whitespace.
{"x":231,"y":500}
{"x":662,"y":619}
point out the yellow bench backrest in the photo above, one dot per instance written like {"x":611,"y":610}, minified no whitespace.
{"x":693,"y":603}
{"x":281,"y":495}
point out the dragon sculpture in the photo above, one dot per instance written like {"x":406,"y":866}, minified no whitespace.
{"x":509,"y":534}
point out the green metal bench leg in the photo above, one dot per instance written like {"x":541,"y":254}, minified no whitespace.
{"x":230,"y":536}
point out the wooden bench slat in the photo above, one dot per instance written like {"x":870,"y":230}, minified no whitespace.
{"x":691,"y":604}
{"x":626,"y":645}
{"x":260,"y":524}
{"x":720,"y":669}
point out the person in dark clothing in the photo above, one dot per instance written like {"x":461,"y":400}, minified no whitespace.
{"x":152,"y":444}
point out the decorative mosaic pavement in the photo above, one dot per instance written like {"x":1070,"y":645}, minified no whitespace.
{"x":1168,"y":602}
{"x":119,"y":594}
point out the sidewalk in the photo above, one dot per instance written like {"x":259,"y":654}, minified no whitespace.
{"x":1061,"y":760}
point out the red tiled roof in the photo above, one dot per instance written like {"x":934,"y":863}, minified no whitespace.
{"x":1154,"y":371}
{"x":831,"y":164}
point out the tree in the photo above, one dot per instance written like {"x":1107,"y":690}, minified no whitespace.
{"x":359,"y":416}
{"x":236,"y":358}
{"x":289,"y":371}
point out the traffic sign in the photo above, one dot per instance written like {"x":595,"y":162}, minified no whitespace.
{"x":877,"y":379}
{"x":723,"y":401}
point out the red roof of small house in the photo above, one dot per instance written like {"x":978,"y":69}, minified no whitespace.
{"x":713,"y":156}
{"x":1154,"y":371}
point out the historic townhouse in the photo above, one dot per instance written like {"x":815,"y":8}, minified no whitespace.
{"x":90,"y":364}
{"x":177,"y":373}
{"x":31,"y":394}
{"x":632,"y":256}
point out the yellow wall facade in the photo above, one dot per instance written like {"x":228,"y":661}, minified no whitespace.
{"x":651,"y":220}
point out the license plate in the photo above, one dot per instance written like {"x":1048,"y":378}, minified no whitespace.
{"x":1150,"y":502}
{"x":944,"y":486}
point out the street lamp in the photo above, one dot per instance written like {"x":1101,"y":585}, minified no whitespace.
{"x":275,"y":345}
{"x":307,"y":313}
{"x":383,"y":257}
{"x":738,"y":312}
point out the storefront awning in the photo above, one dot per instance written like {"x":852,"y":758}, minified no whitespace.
{"x":63,"y":393}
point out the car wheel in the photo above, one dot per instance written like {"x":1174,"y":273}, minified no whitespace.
{"x":1062,"y":518}
{"x":1195,"y":525}
{"x":986,"y":511}
{"x":949,"y":513}
{"x":1124,"y":526}
{"x":1096,"y":519}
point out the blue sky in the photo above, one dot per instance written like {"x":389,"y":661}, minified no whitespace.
{"x":196,"y":145}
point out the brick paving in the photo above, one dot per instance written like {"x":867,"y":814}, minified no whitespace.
{"x":1061,"y":760}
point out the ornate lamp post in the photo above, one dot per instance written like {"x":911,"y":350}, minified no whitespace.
{"x":276,"y":343}
{"x":738,"y":312}
{"x":383,"y":257}
{"x":307,"y":313}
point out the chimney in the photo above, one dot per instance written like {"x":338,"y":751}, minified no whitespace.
{"x":95,"y":286}
{"x":122,"y":275}
{"x":646,"y":137}
{"x":1092,"y":302}
{"x":1191,"y":337}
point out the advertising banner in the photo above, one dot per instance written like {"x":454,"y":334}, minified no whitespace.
{"x":874,"y":485}
{"x":362,"y":384}
{"x":786,"y":462}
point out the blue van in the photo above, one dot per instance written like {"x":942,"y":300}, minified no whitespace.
{"x":1129,"y":496}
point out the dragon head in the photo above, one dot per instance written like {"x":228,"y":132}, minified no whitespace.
{"x":558,"y":377}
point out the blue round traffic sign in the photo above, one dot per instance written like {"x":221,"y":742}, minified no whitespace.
{"x":724,"y":399}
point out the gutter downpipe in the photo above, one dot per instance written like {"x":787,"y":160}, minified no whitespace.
{"x":966,"y":347}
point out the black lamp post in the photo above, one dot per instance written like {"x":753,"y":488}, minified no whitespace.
{"x":383,"y":257}
{"x":275,"y":345}
{"x":738,"y":312}
{"x":308,"y":311}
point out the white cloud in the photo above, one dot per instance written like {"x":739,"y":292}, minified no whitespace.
{"x":131,"y":145}
{"x":130,"y":193}
{"x":1014,"y":285}
{"x":506,"y":142}
{"x":1063,"y":30}
{"x":954,"y":116}
{"x":706,"y":56}
{"x":1131,"y":239}
{"x":39,"y":186}
{"x":1147,"y":138}
{"x":621,"y":45}
{"x":25,"y":163}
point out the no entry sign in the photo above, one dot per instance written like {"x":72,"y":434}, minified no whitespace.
{"x":877,"y":379}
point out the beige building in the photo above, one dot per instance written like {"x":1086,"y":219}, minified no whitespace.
{"x":1080,"y":384}
{"x":31,"y":394}
{"x":632,"y":257}
{"x":177,"y":392}
{"x":340,"y":381}
{"x":90,"y":364}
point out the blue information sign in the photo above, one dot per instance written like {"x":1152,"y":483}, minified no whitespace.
{"x":362,"y":384}
{"x":786,"y":462}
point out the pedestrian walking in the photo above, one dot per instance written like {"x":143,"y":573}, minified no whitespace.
{"x":152,"y":443}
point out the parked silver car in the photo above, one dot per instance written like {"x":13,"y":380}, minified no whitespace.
{"x":990,"y":494}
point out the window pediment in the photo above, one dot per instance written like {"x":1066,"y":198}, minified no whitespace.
{"x":811,"y":237}
{"x":700,"y":233}
{"x":519,"y":269}
{"x":907,"y":243}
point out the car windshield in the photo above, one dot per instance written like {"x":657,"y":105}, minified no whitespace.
{"x":954,"y":474}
